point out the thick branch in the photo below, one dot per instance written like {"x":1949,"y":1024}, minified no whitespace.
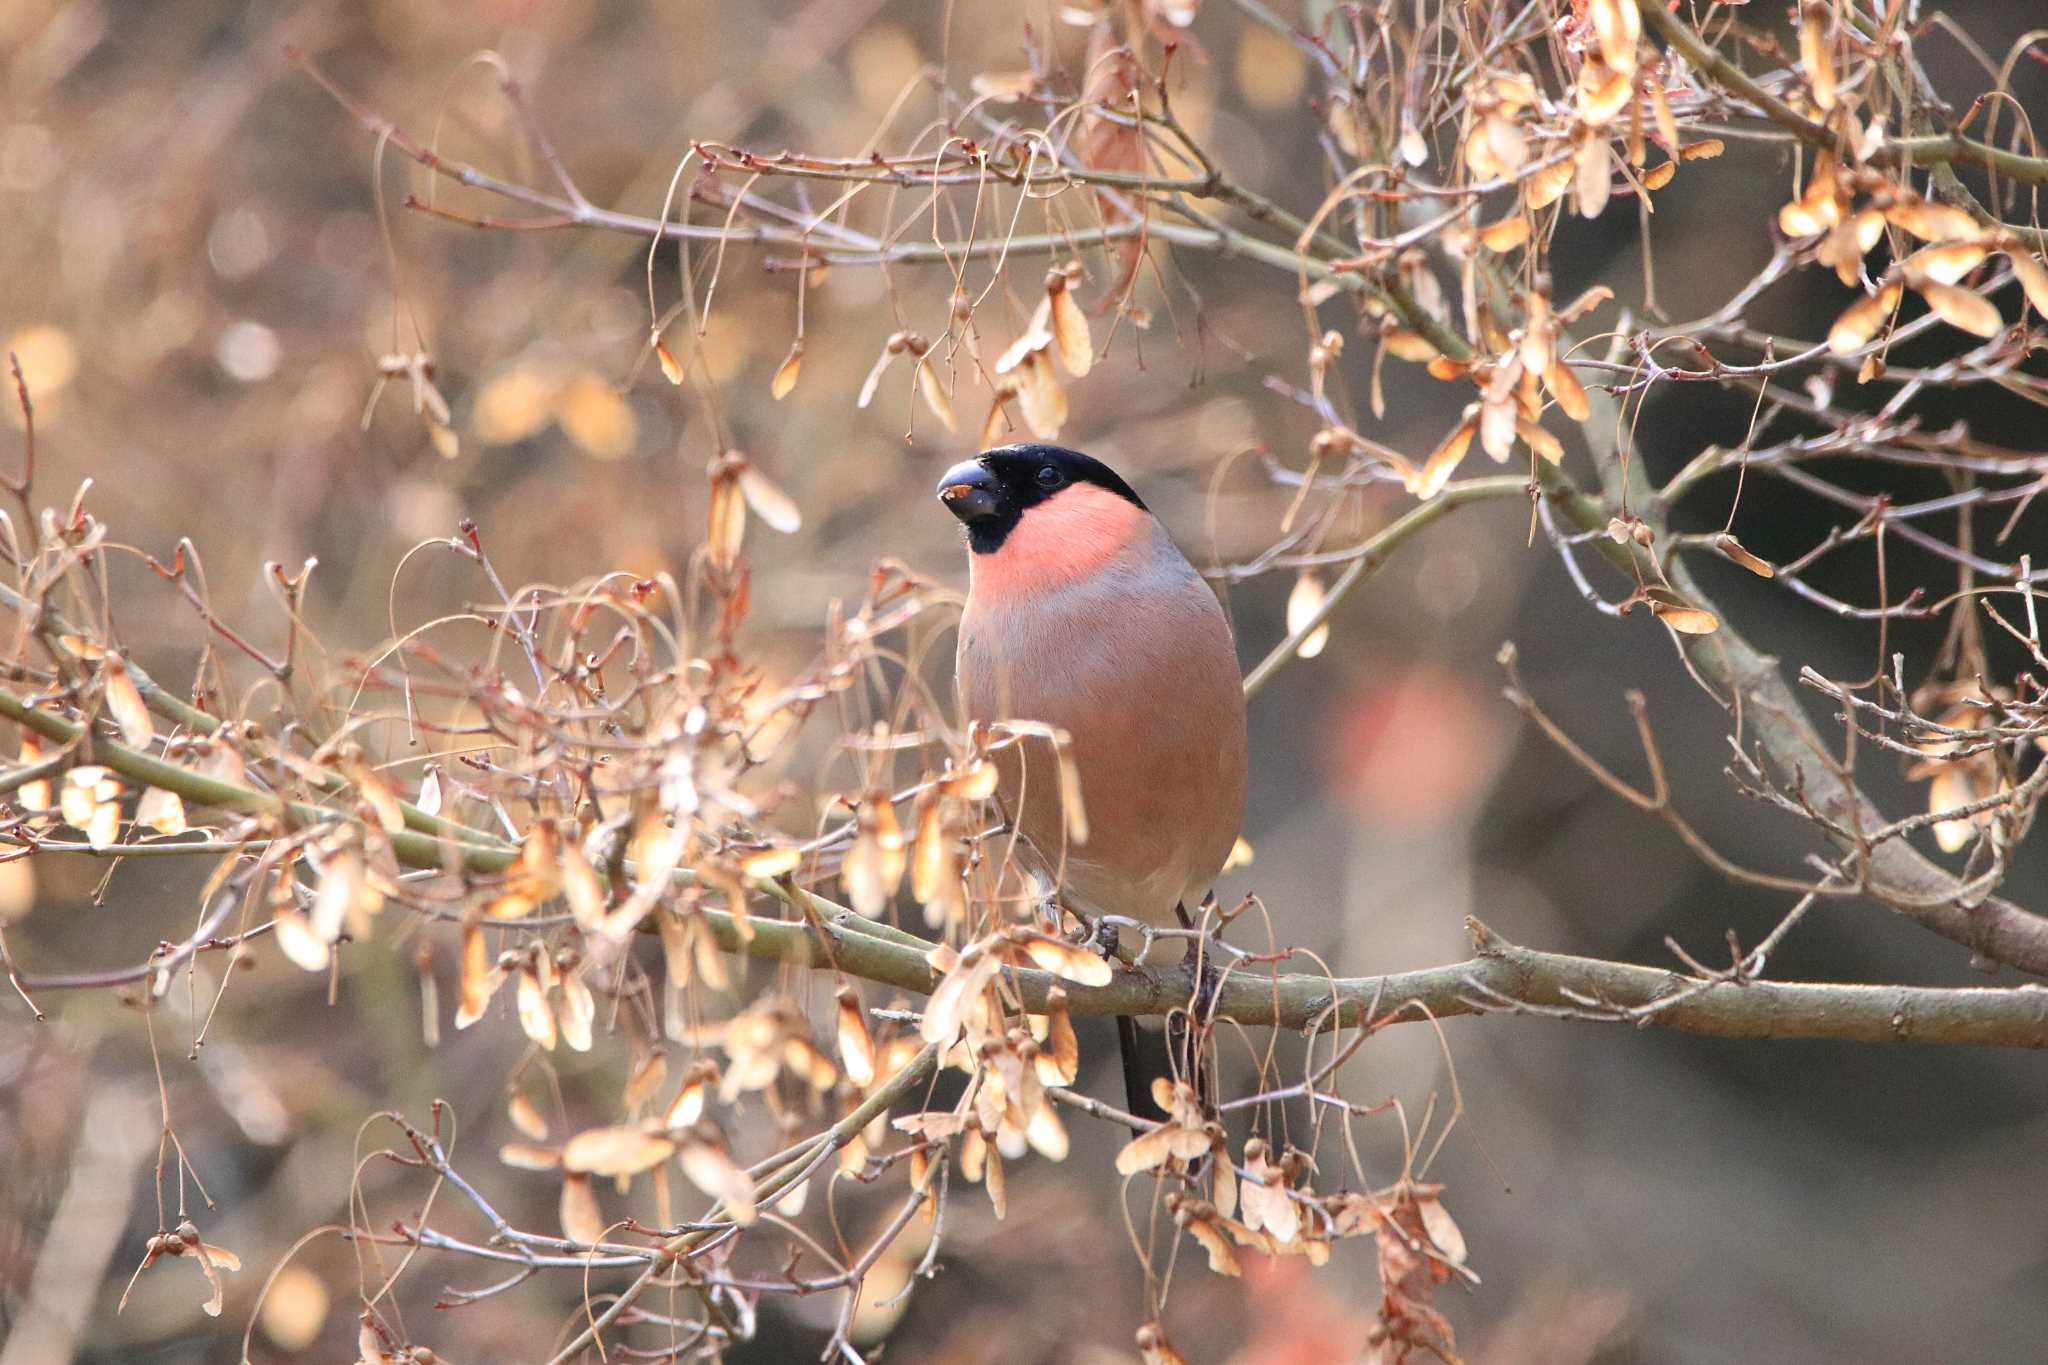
{"x":1983,"y":1016}
{"x":1501,"y":972}
{"x":1997,"y":928}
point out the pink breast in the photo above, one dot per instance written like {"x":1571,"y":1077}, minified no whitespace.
{"x":1067,"y":537}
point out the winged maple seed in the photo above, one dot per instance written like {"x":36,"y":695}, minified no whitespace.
{"x":90,"y":800}
{"x":184,"y":1241}
{"x":1185,"y":1135}
{"x":1155,"y":1348}
{"x":1963,"y":771}
{"x":1420,"y":1249}
{"x":611,"y":834}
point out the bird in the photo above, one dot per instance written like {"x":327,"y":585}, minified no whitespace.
{"x":1084,"y":616}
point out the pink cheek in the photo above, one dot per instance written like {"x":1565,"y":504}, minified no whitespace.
{"x":1058,"y":542}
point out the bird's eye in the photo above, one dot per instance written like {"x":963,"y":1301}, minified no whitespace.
{"x":1048,"y":477}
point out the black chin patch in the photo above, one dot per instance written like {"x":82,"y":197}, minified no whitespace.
{"x":1025,"y":476}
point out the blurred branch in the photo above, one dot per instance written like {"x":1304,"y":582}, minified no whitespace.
{"x":84,"y":1229}
{"x":793,"y":1165}
{"x":1371,"y":556}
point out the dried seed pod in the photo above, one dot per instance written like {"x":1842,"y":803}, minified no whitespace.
{"x":1304,"y":602}
{"x":787,"y":372}
{"x":727,"y":528}
{"x":776,"y":509}
{"x":671,"y":368}
{"x":1961,"y":308}
{"x":124,"y":701}
{"x":1860,"y":320}
{"x":1070,"y":337}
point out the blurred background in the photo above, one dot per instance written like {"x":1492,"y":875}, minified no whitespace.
{"x":200,"y":288}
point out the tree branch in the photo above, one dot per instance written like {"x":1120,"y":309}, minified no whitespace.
{"x":1501,"y":975}
{"x":1918,"y":151}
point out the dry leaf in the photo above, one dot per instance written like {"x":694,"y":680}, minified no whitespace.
{"x":17,"y":889}
{"x":936,"y":399}
{"x":1944,"y":262}
{"x":124,"y":700}
{"x":1199,"y":1217}
{"x":1265,"y":1201}
{"x":1593,"y":177}
{"x":934,"y":861}
{"x":529,"y":1156}
{"x":1932,"y":222}
{"x":1442,"y":1229}
{"x":786,"y":373}
{"x":688,"y":1105}
{"x":162,"y":811}
{"x":1617,"y":26}
{"x":583,"y":889}
{"x":525,"y":1116}
{"x":1184,"y":1135}
{"x":671,"y":368}
{"x":947,"y":1008}
{"x":856,"y":1046}
{"x":715,"y":1173}
{"x":1547,"y":183}
{"x":2032,"y":277}
{"x":1686,"y":620}
{"x":1039,"y":395}
{"x":1059,"y":1052}
{"x":446,"y":443}
{"x":1507,"y":234}
{"x":1733,"y":548}
{"x":39,"y":795}
{"x":296,"y":939}
{"x":1069,"y":325}
{"x":479,"y":978}
{"x":615,"y":1151}
{"x":1443,"y":461}
{"x":728,"y":514}
{"x":1069,"y":961}
{"x":295,"y":1309}
{"x":1860,"y":320}
{"x":1960,"y":308}
{"x":582,"y":1221}
{"x":769,"y":863}
{"x":1817,"y":50}
{"x":1304,"y":603}
{"x":578,"y":1011}
{"x":1403,"y":344}
{"x":536,"y":1016}
{"x":776,"y":509}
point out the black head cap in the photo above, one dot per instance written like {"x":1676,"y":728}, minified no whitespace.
{"x":991,"y":492}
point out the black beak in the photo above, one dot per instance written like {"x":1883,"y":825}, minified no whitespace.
{"x":970,"y":492}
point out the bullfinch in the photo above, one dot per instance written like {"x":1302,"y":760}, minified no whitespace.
{"x":1083,"y":615}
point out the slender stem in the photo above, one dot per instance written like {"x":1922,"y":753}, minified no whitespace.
{"x":1372,"y":556}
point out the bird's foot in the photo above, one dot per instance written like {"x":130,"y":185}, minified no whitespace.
{"x":1115,"y":936}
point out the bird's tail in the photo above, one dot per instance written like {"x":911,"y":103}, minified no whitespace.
{"x":1151,"y":1054}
